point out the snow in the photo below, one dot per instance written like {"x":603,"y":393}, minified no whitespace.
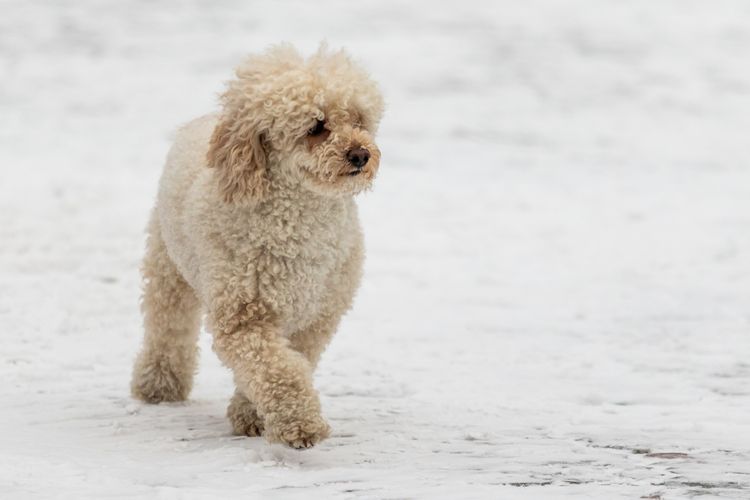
{"x":556,"y":301}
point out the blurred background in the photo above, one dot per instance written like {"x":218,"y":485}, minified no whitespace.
{"x":557,"y":291}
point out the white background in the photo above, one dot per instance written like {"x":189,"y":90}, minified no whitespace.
{"x":557,"y":289}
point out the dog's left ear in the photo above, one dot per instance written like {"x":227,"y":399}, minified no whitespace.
{"x":237,"y":153}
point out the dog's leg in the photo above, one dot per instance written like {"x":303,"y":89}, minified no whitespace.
{"x":276,"y":378}
{"x":165,"y":367}
{"x":312,"y":340}
{"x":243,"y":414}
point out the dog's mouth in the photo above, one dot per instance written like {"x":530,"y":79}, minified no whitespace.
{"x":346,"y":177}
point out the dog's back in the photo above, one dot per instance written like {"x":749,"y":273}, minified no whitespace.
{"x":185,"y":177}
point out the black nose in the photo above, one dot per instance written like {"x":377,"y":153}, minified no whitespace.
{"x":358,"y":157}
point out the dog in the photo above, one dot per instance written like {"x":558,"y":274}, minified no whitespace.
{"x":255,"y":225}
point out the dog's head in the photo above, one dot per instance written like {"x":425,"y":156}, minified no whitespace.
{"x":291,"y":121}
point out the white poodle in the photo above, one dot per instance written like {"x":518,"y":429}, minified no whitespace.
{"x":256,"y":225}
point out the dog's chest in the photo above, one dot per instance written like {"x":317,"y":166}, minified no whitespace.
{"x":295,"y":287}
{"x":295,"y":268}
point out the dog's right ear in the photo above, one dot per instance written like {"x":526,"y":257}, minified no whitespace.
{"x":236,"y":152}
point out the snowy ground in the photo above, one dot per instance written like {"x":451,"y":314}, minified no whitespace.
{"x":557,"y":296}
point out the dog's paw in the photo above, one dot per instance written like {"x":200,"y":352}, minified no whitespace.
{"x":244,"y":417}
{"x":155,"y":382}
{"x":299,"y":433}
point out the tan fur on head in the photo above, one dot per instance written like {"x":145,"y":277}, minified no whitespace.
{"x":237,"y":153}
{"x":261,"y":139}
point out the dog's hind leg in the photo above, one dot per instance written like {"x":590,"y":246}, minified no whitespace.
{"x":164,"y":369}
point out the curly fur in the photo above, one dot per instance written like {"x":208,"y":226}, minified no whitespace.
{"x":255,"y":224}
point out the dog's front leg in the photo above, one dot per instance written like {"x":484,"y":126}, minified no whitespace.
{"x":274,"y":376}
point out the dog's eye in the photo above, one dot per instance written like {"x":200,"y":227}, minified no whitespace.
{"x":319,"y":128}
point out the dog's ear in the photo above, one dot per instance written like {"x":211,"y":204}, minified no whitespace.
{"x":237,"y":153}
